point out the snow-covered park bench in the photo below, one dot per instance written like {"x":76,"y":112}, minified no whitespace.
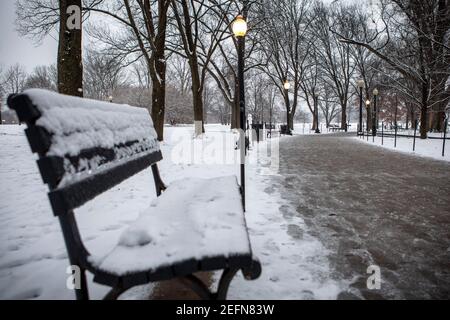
{"x":87,"y":147}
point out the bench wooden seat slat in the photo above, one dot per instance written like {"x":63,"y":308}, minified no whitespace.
{"x":85,"y":148}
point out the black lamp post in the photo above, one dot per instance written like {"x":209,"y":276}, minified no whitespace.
{"x":287,"y":86}
{"x":316,"y":110}
{"x":374,"y":113}
{"x":368,"y":116}
{"x":360,"y":86}
{"x":240,"y":29}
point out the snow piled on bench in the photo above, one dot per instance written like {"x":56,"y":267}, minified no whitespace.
{"x":78,"y":123}
{"x":194,"y":219}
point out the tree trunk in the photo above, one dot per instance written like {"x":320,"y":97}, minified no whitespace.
{"x":407,"y":119}
{"x":197,"y":95}
{"x":288,"y":109}
{"x":291,"y":121}
{"x":158,"y":107}
{"x":198,"y":112}
{"x":438,"y":121}
{"x":294,"y":107}
{"x":423,"y":112}
{"x":70,"y":63}
{"x":314,"y":121}
{"x":159,"y":76}
{"x":344,"y":115}
{"x":413,"y":120}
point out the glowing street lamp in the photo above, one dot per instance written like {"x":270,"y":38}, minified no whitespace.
{"x":239,"y":28}
{"x":286,"y":85}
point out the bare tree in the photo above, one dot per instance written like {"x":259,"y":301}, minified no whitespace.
{"x":44,"y":77}
{"x":310,"y":84}
{"x":145,"y":22}
{"x":14,"y":79}
{"x":285,"y":45}
{"x":200,"y":30}
{"x":179,"y":73}
{"x":179,"y":106}
{"x":328,"y":105}
{"x":335,"y":59}
{"x":103,"y":75}
{"x":427,"y":22}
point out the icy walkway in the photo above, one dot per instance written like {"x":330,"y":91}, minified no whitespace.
{"x":372,"y":206}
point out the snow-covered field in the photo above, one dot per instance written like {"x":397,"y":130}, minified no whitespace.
{"x":431,"y":148}
{"x":33,"y":259}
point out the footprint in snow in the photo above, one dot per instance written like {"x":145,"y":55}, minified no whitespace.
{"x":32,"y":293}
{"x":111,"y":227}
{"x":272,"y":246}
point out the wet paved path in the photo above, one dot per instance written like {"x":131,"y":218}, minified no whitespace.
{"x":371,"y":206}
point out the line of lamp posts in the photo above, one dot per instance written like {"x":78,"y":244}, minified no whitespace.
{"x":374,"y":110}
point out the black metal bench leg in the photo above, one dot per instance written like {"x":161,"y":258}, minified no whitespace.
{"x":83,"y":292}
{"x":224,"y":283}
{"x":114,"y":293}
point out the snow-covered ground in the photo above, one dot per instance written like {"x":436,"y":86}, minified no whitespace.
{"x":431,"y":148}
{"x":33,"y":259}
{"x":305,"y":128}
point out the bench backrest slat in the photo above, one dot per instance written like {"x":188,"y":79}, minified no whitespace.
{"x":76,"y":194}
{"x":85,"y":146}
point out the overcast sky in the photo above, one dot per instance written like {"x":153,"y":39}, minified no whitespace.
{"x":16,"y":49}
